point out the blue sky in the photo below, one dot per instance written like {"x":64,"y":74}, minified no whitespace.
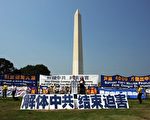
{"x":116,"y":35}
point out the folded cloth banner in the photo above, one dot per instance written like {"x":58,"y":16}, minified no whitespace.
{"x":21,"y":91}
{"x":67,"y":101}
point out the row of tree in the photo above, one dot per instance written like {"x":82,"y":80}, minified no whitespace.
{"x":7,"y":67}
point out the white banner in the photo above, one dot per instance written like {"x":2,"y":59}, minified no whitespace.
{"x":90,"y":80}
{"x":21,"y":91}
{"x":68,"y":101}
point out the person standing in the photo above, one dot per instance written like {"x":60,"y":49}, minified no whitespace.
{"x":67,"y":90}
{"x":28,"y":90}
{"x":4,"y":89}
{"x":82,"y":86}
{"x":139,"y":90}
{"x":74,"y":86}
{"x":14,"y":89}
{"x":74,"y":90}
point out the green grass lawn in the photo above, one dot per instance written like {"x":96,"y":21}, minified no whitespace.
{"x":10,"y":110}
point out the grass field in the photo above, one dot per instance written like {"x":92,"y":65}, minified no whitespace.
{"x":10,"y":110}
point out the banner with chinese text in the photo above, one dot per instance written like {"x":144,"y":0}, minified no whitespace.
{"x":18,"y":80}
{"x":118,"y":81}
{"x":66,"y":79}
{"x":67,"y":101}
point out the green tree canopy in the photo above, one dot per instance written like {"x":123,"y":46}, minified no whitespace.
{"x":34,"y":70}
{"x":6,"y":66}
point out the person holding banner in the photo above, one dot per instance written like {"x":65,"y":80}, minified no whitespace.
{"x":139,"y":90}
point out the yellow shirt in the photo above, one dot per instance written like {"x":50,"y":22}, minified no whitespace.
{"x":139,"y":90}
{"x":5,"y":87}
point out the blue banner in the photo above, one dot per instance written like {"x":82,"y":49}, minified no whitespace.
{"x":18,"y":80}
{"x":118,"y":81}
{"x":131,"y":93}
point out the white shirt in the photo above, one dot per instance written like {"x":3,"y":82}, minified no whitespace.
{"x":13,"y":88}
{"x":74,"y":86}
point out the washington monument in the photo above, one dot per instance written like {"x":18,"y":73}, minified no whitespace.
{"x":77,"y":45}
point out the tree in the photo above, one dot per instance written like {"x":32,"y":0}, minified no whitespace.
{"x":35,"y":70}
{"x":6,"y":67}
{"x":42,"y":69}
{"x":16,"y":72}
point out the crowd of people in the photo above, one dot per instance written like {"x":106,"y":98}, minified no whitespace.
{"x":75,"y":87}
{"x":55,"y":89}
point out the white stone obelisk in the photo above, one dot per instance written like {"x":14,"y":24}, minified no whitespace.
{"x":77,"y":45}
